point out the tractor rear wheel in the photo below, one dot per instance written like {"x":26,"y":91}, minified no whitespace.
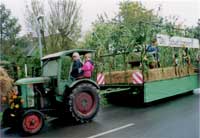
{"x":84,"y":102}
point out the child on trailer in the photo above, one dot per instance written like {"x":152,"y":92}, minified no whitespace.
{"x":88,"y":66}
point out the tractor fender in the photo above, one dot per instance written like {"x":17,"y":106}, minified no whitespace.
{"x":84,"y":81}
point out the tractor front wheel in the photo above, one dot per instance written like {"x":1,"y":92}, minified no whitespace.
{"x":84,"y":102}
{"x":32,"y":122}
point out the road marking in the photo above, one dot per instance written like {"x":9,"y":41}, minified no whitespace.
{"x":112,"y":130}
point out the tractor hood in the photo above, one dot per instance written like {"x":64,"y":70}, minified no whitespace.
{"x":32,"y":80}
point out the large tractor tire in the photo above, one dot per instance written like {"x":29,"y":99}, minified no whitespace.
{"x":31,"y":122}
{"x":83,"y":102}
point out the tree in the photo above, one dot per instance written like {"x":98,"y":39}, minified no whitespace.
{"x":35,"y":9}
{"x":63,"y":24}
{"x":9,"y":29}
{"x":35,"y":12}
{"x":60,"y":26}
{"x":196,"y":30}
{"x":131,"y":27}
{"x":139,"y":21}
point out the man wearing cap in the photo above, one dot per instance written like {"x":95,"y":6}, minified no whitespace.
{"x":75,"y":69}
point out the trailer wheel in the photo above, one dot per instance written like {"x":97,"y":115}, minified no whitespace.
{"x":84,"y":102}
{"x":32,"y":122}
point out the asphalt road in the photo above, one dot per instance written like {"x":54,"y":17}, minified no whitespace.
{"x":175,"y":118}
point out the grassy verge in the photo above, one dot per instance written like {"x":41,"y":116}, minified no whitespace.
{"x":103,"y":101}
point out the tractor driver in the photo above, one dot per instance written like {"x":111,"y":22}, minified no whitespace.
{"x":76,"y":71}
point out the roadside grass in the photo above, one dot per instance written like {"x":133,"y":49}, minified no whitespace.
{"x":103,"y":101}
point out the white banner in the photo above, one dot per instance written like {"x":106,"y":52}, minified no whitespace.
{"x":175,"y":41}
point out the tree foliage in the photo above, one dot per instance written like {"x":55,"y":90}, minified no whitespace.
{"x":196,"y":30}
{"x":126,"y":30}
{"x":9,"y":29}
{"x":132,"y":29}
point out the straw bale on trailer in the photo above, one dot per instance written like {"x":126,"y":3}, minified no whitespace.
{"x":119,"y":76}
{"x":160,"y":74}
{"x":115,"y":77}
{"x":168,"y":73}
{"x":6,"y":83}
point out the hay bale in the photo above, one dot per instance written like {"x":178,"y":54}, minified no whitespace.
{"x":183,"y":71}
{"x":114,"y":77}
{"x":168,"y":73}
{"x":191,"y":69}
{"x":119,"y":77}
{"x":152,"y":75}
{"x":6,"y":83}
{"x":187,"y":70}
{"x":161,"y":74}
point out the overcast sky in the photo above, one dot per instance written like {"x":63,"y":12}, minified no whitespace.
{"x":188,"y":11}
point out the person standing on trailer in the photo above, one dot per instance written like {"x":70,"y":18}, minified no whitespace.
{"x":186,"y":57}
{"x":153,"y":50}
{"x":177,"y":64}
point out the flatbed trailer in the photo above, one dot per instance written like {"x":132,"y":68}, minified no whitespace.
{"x":164,"y":82}
{"x":150,"y":91}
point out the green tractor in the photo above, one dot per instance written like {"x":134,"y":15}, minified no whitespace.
{"x":53,"y":94}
